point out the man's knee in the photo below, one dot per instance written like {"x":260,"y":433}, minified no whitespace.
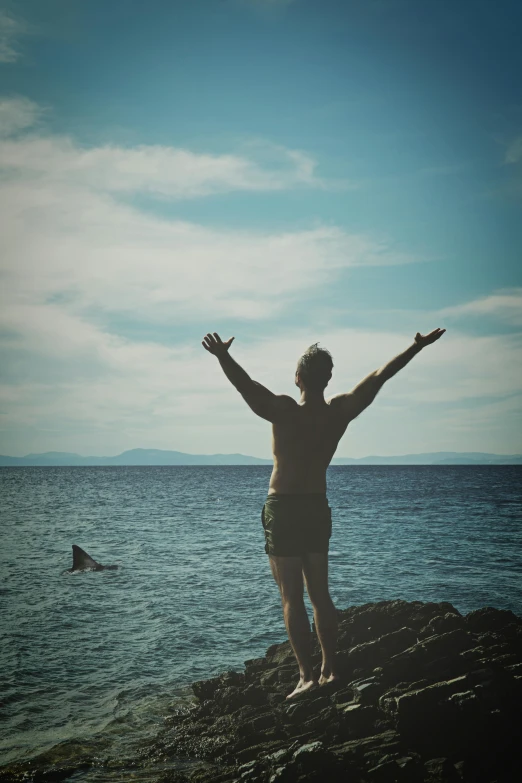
{"x":318,"y":593}
{"x":323,"y":604}
{"x":292,"y":598}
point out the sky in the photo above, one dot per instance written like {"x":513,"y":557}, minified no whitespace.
{"x":280,"y":171}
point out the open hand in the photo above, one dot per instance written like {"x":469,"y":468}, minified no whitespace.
{"x":427,"y":339}
{"x":212,"y":343}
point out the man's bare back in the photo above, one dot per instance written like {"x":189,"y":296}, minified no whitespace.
{"x":303,"y":444}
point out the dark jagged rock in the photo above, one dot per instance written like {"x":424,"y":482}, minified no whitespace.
{"x":490,"y":619}
{"x":426,"y":696}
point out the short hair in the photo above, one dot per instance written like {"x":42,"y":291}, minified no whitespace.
{"x":315,"y":367}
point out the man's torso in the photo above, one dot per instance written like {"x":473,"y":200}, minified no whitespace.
{"x":304,"y":441}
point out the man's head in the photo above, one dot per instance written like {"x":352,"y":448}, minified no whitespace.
{"x":314,"y":369}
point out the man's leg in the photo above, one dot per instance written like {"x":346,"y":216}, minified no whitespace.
{"x":315,"y":570}
{"x":288,"y":573}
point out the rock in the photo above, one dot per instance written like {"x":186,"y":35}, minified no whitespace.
{"x":367,"y":690}
{"x":244,"y":713}
{"x":413,"y":705}
{"x":319,"y":721}
{"x":205,"y":689}
{"x":450,"y":643}
{"x":374,"y":746}
{"x":258,"y":725}
{"x":309,"y":760}
{"x":287,"y":674}
{"x":442,"y":624}
{"x":446,"y":717}
{"x":435,"y":656}
{"x":249,"y":771}
{"x":300,"y":710}
{"x":474,"y":654}
{"x":280,"y":756}
{"x":343,"y":695}
{"x":401,"y":769}
{"x":256,"y":663}
{"x":254,"y":696}
{"x":376,"y":651}
{"x":281,"y":775}
{"x":490,"y":619}
{"x":270,"y":677}
{"x":206,"y":774}
{"x":280,"y":653}
{"x":312,"y":750}
{"x":440,"y":771}
{"x":256,"y":751}
{"x":388,"y":700}
{"x":427,"y":696}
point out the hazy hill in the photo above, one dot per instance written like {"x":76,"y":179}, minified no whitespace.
{"x":134,"y":457}
{"x":164,"y":457}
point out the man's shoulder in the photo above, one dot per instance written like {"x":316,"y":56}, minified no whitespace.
{"x":341,"y":404}
{"x":283,"y":410}
{"x":336,"y":400}
{"x":286,"y":401}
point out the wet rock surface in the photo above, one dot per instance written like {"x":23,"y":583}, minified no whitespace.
{"x":426,"y":695}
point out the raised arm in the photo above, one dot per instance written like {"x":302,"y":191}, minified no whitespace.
{"x":353,"y":403}
{"x":261,"y":400}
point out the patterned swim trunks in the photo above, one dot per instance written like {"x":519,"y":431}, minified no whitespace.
{"x":296,"y":524}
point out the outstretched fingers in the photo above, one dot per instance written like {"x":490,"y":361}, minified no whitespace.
{"x":214,"y":344}
{"x":209,"y":342}
{"x":427,"y":339}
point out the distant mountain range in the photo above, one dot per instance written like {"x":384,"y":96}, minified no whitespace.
{"x":162,"y":457}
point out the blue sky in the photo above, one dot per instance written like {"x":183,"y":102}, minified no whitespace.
{"x":284,"y":172}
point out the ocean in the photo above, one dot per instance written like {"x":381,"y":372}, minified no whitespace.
{"x":91,"y":663}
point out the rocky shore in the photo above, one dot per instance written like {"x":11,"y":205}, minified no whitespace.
{"x":427,"y":695}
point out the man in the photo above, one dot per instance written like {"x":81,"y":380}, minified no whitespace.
{"x":296,"y":516}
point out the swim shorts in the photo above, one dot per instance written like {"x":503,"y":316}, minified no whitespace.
{"x":296,"y":524}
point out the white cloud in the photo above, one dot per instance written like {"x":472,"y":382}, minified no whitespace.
{"x":505,"y":305}
{"x":66,"y":233}
{"x":17,"y":114}
{"x":71,"y":241}
{"x":71,"y":248}
{"x":11,"y":29}
{"x":162,"y":171}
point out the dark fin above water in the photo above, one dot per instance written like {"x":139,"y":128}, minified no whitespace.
{"x":81,"y":560}
{"x":84,"y":562}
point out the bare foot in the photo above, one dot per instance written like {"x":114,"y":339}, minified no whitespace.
{"x":301,"y":687}
{"x":323,"y":680}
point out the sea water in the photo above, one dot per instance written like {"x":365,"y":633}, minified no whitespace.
{"x":92,"y":662}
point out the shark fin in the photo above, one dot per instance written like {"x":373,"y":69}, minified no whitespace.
{"x":81,"y":560}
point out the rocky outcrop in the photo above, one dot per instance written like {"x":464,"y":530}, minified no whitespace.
{"x":426,"y":695}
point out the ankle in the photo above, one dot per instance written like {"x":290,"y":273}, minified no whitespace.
{"x":328,"y":670}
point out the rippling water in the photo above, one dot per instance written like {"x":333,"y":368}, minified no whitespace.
{"x":92,"y":662}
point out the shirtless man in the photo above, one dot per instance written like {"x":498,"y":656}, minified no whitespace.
{"x":296,"y":516}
